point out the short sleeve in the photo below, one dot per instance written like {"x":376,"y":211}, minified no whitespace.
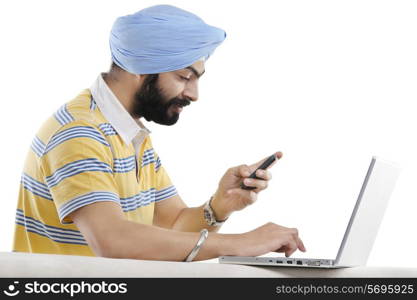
{"x":163,"y":185}
{"x":77,"y":166}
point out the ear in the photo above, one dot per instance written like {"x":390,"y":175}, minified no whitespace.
{"x":138,"y":78}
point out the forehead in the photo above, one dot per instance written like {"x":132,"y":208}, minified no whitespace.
{"x":198,"y":66}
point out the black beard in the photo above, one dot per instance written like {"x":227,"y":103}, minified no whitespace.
{"x":151,"y":104}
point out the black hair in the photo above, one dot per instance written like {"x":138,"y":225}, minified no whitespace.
{"x":114,"y":67}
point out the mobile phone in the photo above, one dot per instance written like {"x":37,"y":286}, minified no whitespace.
{"x":263,"y":166}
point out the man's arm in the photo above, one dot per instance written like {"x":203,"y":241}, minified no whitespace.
{"x":109,"y":234}
{"x":229,"y":197}
{"x":173,"y":213}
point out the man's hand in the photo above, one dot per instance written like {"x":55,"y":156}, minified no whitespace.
{"x":230,"y":197}
{"x":269,"y":238}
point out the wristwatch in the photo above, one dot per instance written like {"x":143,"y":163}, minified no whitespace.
{"x":209,"y":215}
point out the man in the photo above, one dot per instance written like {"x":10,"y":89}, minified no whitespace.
{"x":92,"y":183}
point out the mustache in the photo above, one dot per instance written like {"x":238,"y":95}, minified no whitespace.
{"x":180,"y":102}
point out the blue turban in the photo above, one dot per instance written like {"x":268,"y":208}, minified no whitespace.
{"x":162,"y":38}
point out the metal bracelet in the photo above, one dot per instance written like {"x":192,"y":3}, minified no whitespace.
{"x":202,"y":239}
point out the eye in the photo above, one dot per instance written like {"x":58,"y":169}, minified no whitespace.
{"x":185,"y":78}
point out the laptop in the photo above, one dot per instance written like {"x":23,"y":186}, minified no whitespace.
{"x":361,"y":230}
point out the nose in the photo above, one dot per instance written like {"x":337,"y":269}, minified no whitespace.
{"x":191,"y":92}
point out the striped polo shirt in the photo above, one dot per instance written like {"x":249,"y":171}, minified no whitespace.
{"x":90,"y":150}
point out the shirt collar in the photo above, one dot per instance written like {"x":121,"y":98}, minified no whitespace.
{"x":113,"y":110}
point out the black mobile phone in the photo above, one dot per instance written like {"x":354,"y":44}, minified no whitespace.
{"x":263,"y":166}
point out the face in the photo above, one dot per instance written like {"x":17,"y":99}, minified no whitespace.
{"x":161,"y":97}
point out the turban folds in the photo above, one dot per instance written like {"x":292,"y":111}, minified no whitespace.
{"x":162,"y":38}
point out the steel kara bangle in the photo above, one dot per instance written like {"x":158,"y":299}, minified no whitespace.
{"x":194,"y":252}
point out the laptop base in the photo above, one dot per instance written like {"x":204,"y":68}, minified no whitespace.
{"x":280,"y":262}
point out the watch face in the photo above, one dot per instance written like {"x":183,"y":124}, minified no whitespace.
{"x":208,"y":217}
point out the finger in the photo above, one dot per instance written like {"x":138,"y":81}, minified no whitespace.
{"x":285,"y":248}
{"x":291,"y":248}
{"x":263,"y":174}
{"x":288,"y":246}
{"x":282,"y":249}
{"x":289,"y":251}
{"x":259,"y":184}
{"x":243,"y":171}
{"x":301,"y":245}
{"x":254,"y":166}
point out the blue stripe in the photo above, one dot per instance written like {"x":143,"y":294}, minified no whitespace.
{"x":35,"y":187}
{"x":63,"y":116}
{"x":31,"y":229}
{"x":64,"y":230}
{"x":64,"y":233}
{"x":148,"y":157}
{"x":148,"y":153}
{"x":86,"y":199}
{"x":75,"y":132}
{"x":165,"y":193}
{"x":157,"y":164}
{"x":66,"y":114}
{"x":55,"y":234}
{"x":38,"y":146}
{"x":107,"y":129}
{"x":77,"y":167}
{"x":146,"y":197}
{"x":93,"y":104}
{"x":124,"y":165}
{"x":142,"y":199}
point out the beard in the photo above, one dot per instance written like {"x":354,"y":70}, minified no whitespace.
{"x":152,"y":105}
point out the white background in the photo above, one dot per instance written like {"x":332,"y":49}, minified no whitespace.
{"x":329,"y":83}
